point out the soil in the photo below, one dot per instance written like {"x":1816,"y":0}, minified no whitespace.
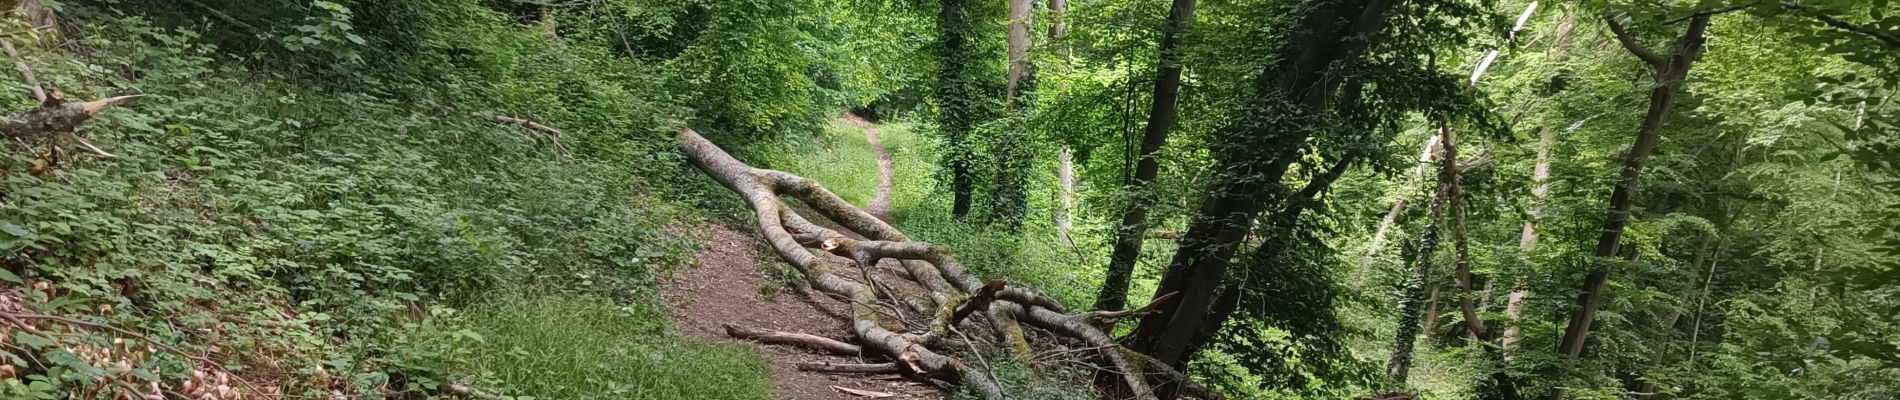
{"x":729,"y":286}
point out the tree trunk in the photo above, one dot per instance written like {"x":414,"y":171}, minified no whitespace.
{"x":1670,"y":72}
{"x":1065,"y":195}
{"x":1250,"y":157}
{"x":1659,"y":346}
{"x":1134,"y":223}
{"x":956,"y":99}
{"x":1467,"y":307}
{"x":1018,"y":50}
{"x":1009,"y":200}
{"x":1399,"y":365}
{"x":1059,"y":9}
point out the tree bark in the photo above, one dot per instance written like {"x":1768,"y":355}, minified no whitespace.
{"x":1670,"y":71}
{"x":1161,"y":113}
{"x":1018,"y":50}
{"x":1251,"y":156}
{"x":805,"y":340}
{"x":1467,"y":307}
{"x":1060,"y":10}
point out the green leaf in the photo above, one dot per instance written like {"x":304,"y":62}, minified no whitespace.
{"x":11,"y":229}
{"x":9,"y":276}
{"x":32,"y":340}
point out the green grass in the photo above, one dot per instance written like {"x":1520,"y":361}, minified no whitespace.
{"x":586,"y":347}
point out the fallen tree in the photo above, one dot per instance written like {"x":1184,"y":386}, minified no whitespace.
{"x":950,"y":297}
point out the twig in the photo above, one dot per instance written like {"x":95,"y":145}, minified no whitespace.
{"x":552,"y":133}
{"x":879,"y":368}
{"x":968,"y":342}
{"x":1093,"y":315}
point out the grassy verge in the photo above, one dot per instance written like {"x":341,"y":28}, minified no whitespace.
{"x":587,"y":347}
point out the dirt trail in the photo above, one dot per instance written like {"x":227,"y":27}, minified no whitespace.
{"x":727,"y":288}
{"x":881,"y":201}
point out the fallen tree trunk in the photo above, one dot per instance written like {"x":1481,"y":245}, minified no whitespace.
{"x":950,"y":288}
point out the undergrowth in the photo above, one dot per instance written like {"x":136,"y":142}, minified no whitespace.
{"x":314,"y":234}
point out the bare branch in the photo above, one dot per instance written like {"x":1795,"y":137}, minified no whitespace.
{"x":1623,"y":37}
{"x":805,"y":340}
{"x":828,"y":367}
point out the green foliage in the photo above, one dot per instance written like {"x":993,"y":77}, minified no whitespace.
{"x":320,"y":230}
{"x":590,"y":347}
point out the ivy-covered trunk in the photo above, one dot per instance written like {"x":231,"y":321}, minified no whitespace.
{"x":1400,"y":363}
{"x":957,"y":103}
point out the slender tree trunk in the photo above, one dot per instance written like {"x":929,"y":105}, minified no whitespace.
{"x":1065,"y":194}
{"x":1702,"y":300}
{"x":1527,"y":243}
{"x":1659,"y":345}
{"x":1250,"y":157}
{"x":1540,"y":192}
{"x":1670,"y":71}
{"x":1134,"y":223}
{"x":1009,"y":200}
{"x":1467,"y":307}
{"x":1065,"y":165}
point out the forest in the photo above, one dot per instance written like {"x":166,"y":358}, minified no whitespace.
{"x":949,"y":199}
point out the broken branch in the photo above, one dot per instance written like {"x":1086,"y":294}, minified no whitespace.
{"x":828,"y":367}
{"x":808,"y":341}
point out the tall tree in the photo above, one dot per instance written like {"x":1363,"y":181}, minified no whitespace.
{"x":1669,"y":70}
{"x":1009,"y":200}
{"x":1252,"y":154}
{"x":1399,"y":364}
{"x":1558,"y":52}
{"x":1161,"y":113}
{"x":957,"y":100}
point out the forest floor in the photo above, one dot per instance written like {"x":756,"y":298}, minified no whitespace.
{"x":732,"y":284}
{"x":736,"y":281}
